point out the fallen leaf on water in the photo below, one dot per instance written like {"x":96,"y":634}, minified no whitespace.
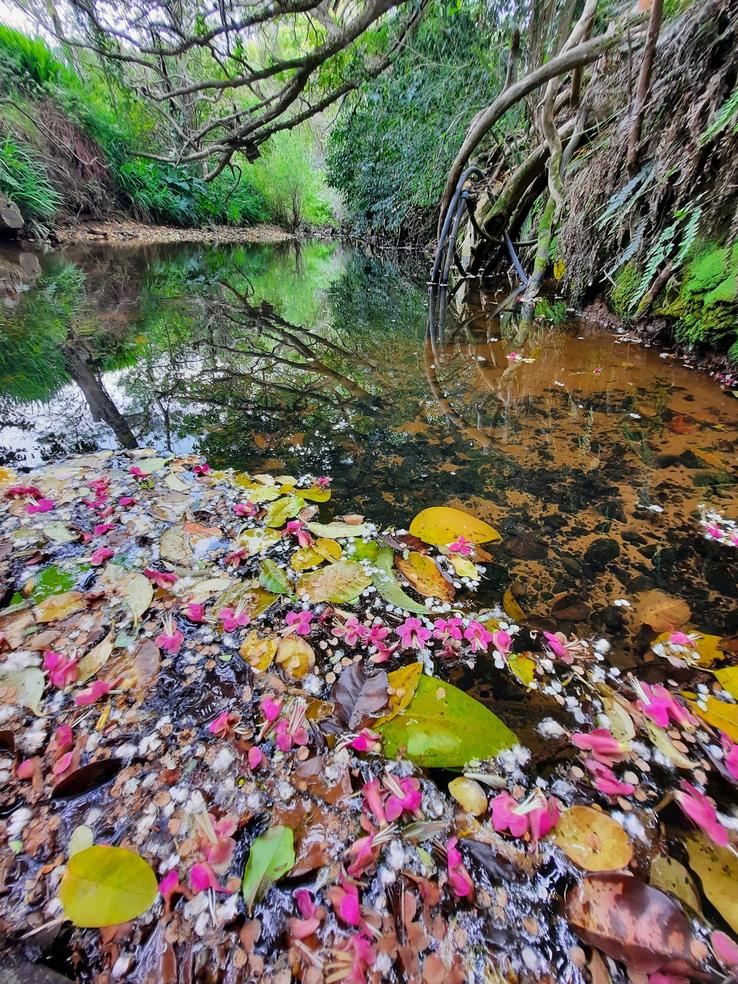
{"x":708,"y":648}
{"x":59,"y":606}
{"x":281,"y":510}
{"x":59,"y":533}
{"x":666,"y":746}
{"x":359,"y":696}
{"x":174,"y":547}
{"x":402,"y":685}
{"x":619,"y":719}
{"x":82,"y":838}
{"x":387,"y":585}
{"x":271,"y":856}
{"x":28,"y":685}
{"x":669,"y":875}
{"x":463,"y":566}
{"x":92,"y":662}
{"x":469,"y":795}
{"x":150,"y":465}
{"x":424,"y":576}
{"x":341,"y":582}
{"x":523,"y":667}
{"x":717,"y":869}
{"x":728,"y":680}
{"x":134,"y":589}
{"x":512,"y":608}
{"x":441,"y":525}
{"x":85,"y":779}
{"x":593,"y":840}
{"x":296,"y":656}
{"x":176,"y":484}
{"x":273,"y":578}
{"x":719,"y":714}
{"x":334,"y":530}
{"x":259,"y":653}
{"x":315,"y":494}
{"x":660,"y":611}
{"x":104,"y":886}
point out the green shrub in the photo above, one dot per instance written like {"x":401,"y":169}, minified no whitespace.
{"x":291,"y":181}
{"x":25,"y":60}
{"x":25,"y":181}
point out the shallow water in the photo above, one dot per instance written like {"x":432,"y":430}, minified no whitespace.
{"x":591,"y":457}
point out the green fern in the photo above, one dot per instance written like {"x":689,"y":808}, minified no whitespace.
{"x":627,"y":194}
{"x":725,"y":115}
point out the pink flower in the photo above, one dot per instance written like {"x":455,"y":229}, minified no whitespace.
{"x":681,"y":639}
{"x":445,"y":629}
{"x":413,"y":634}
{"x":359,"y":952}
{"x":136,"y":472}
{"x":513,"y":356}
{"x":221,"y":725}
{"x":543,"y":818}
{"x":93,"y":694}
{"x":405,"y":799}
{"x":195,"y":612}
{"x":726,"y":950}
{"x":606,"y":782}
{"x":701,"y":811}
{"x":162,"y":579}
{"x":62,"y":763}
{"x":505,"y":816}
{"x":290,"y":733}
{"x":300,"y":929}
{"x":300,"y":621}
{"x":125,"y":501}
{"x":27,"y":768}
{"x":365,"y":854}
{"x":63,"y":737}
{"x":377,"y":635}
{"x":62,"y":672}
{"x":40,"y":506}
{"x":202,"y":878}
{"x":351,"y":630}
{"x":661,"y":707}
{"x":102,"y":528}
{"x":461,"y":546}
{"x":502,"y":641}
{"x":367,"y":741}
{"x":345,"y":900}
{"x":305,"y":904}
{"x":557,"y":646}
{"x":322,"y":481}
{"x":21,"y":491}
{"x":234,"y":558}
{"x":255,"y":757}
{"x":271,"y":709}
{"x":297,"y":529}
{"x":169,"y":886}
{"x":713,"y":532}
{"x":202,"y":469}
{"x":218,"y":843}
{"x":233,"y":620}
{"x":478,"y":636}
{"x":100,"y":555}
{"x":458,"y":877}
{"x":245,"y":509}
{"x":372,"y":793}
{"x":170,"y":642}
{"x":731,"y":755}
{"x":602,"y":744}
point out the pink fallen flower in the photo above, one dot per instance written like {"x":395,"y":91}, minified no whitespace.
{"x":557,"y":644}
{"x":300,"y":622}
{"x":730,"y":750}
{"x":221,"y":725}
{"x":290,"y":732}
{"x":681,"y":639}
{"x":233,"y":619}
{"x":345,"y":900}
{"x":255,"y":757}
{"x":372,"y":793}
{"x":100,"y":555}
{"x":446,"y":629}
{"x":171,"y":641}
{"x":364,"y":852}
{"x":63,"y":737}
{"x":413,"y":634}
{"x":202,"y":469}
{"x":606,"y":782}
{"x":271,"y":708}
{"x":40,"y":506}
{"x":702,"y":812}
{"x":62,"y":764}
{"x":102,"y":528}
{"x":726,"y":950}
{"x":162,"y":579}
{"x":366,"y":741}
{"x":461,"y":546}
{"x":458,"y":877}
{"x":100,"y":688}
{"x":479,"y":636}
{"x":323,"y":481}
{"x":21,"y":491}
{"x":62,"y":671}
{"x":195,"y":612}
{"x":136,"y":472}
{"x":202,"y":878}
{"x":219,"y":845}
{"x":245,"y":509}
{"x":125,"y":501}
{"x":352,"y":631}
{"x":405,"y":797}
{"x":502,"y":641}
{"x":308,"y":922}
{"x":300,"y":929}
{"x":505,"y":816}
{"x":169,"y":886}
{"x":661,"y":706}
{"x":27,"y":768}
{"x":377,"y":636}
{"x":543,"y":818}
{"x":297,"y":529}
{"x":602,"y":744}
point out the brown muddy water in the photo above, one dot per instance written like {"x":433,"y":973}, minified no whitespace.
{"x":590,"y":453}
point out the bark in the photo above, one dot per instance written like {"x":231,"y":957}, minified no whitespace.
{"x":644,"y":84}
{"x":543,"y":254}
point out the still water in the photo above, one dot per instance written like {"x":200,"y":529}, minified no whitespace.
{"x":590,"y":453}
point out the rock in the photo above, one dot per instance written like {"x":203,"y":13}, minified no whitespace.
{"x":601,"y":551}
{"x":15,"y":971}
{"x":526,"y":547}
{"x":11,"y":219}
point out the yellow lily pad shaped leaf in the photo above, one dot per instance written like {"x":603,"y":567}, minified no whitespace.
{"x":593,"y":840}
{"x":104,"y":886}
{"x":441,"y":525}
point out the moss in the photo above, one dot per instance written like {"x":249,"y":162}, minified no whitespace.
{"x":709,"y":268}
{"x":626,"y":287}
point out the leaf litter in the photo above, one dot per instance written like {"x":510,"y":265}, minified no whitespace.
{"x":238,"y":703}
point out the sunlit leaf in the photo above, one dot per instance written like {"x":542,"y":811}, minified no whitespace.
{"x":28,"y":685}
{"x":619,"y":720}
{"x":257,"y":540}
{"x":281,"y":510}
{"x":82,"y":838}
{"x":523,"y":667}
{"x":422,"y":572}
{"x":470,"y":796}
{"x":463,"y":566}
{"x":442,"y":727}
{"x":341,"y":582}
{"x":669,"y":875}
{"x":175,"y":483}
{"x":150,"y":465}
{"x":93,"y":661}
{"x":105,"y":886}
{"x":666,"y":746}
{"x":707,"y":647}
{"x":717,"y":869}
{"x":305,"y":558}
{"x":402,"y":685}
{"x":315,"y":494}
{"x":133,"y":588}
{"x":329,"y":549}
{"x":334,"y":530}
{"x":296,"y":656}
{"x":259,"y":653}
{"x":512,"y":608}
{"x":593,"y":840}
{"x":441,"y":525}
{"x":720,"y":715}
{"x":273,"y":578}
{"x":271,"y":856}
{"x":59,"y":606}
{"x":386,"y":583}
{"x":728,"y":680}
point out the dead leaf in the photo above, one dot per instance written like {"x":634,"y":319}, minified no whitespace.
{"x":359,"y":696}
{"x":424,"y":575}
{"x":296,"y":656}
{"x":660,"y":611}
{"x":59,"y":606}
{"x":593,"y":840}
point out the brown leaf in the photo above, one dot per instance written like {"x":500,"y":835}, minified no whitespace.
{"x":359,"y":696}
{"x":634,"y":923}
{"x":424,"y":575}
{"x":87,"y":778}
{"x":660,"y":611}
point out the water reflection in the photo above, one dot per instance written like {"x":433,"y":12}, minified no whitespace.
{"x":589,"y":454}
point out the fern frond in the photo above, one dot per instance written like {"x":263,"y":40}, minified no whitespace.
{"x":724,"y":116}
{"x":627,"y":194}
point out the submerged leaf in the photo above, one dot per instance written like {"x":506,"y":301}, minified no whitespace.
{"x":668,"y":875}
{"x":442,"y":727}
{"x":593,"y":840}
{"x":717,"y":869}
{"x":341,"y":582}
{"x":271,"y":856}
{"x":104,"y":886}
{"x":660,"y":611}
{"x":441,"y":525}
{"x":28,"y":685}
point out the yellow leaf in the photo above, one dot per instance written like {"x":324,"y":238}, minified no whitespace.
{"x":717,"y":868}
{"x":512,"y":608}
{"x":105,"y":886}
{"x":728,"y":680}
{"x":463,"y":566}
{"x":707,"y":648}
{"x":661,"y":741}
{"x":559,"y":269}
{"x":259,"y":653}
{"x":620,"y":721}
{"x":669,"y":875}
{"x":296,"y":656}
{"x":341,"y":582}
{"x":720,"y":715}
{"x":257,"y":541}
{"x":593,"y":840}
{"x":59,"y":606}
{"x":304,"y":558}
{"x":441,"y":525}
{"x":92,"y":662}
{"x":469,"y":795}
{"x":523,"y":667}
{"x":328,"y":548}
{"x":315,"y":494}
{"x":423,"y":574}
{"x":402,"y":683}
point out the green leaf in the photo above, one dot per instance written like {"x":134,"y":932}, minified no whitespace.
{"x":104,"y":886}
{"x":283,"y":509}
{"x":52,"y":581}
{"x":271,"y":856}
{"x":442,"y":727}
{"x":366,"y":550}
{"x":341,"y":582}
{"x":273,"y":578}
{"x":150,"y":465}
{"x":387,"y":585}
{"x":334,"y":530}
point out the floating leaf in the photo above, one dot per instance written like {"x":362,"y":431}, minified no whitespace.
{"x":523,"y":667}
{"x":150,"y":465}
{"x":717,"y":869}
{"x":273,"y":578}
{"x":728,"y":680}
{"x":720,"y":715}
{"x":668,"y":875}
{"x":633,"y":923}
{"x":296,"y":656}
{"x":85,"y":779}
{"x":463,"y":566}
{"x":386,"y":584}
{"x":133,"y":588}
{"x":593,"y":840}
{"x":423,"y":574}
{"x":329,"y":549}
{"x":174,"y":547}
{"x":259,"y":653}
{"x":59,"y":533}
{"x":469,"y":795}
{"x":249,"y":596}
{"x":92,"y":662}
{"x":334,"y":530}
{"x":316,"y":494}
{"x":105,"y":886}
{"x":176,"y":484}
{"x":203,"y":589}
{"x":401,"y":686}
{"x":59,"y":606}
{"x":305,"y":558}
{"x":442,"y":727}
{"x":258,"y":540}
{"x":28,"y":685}
{"x":660,"y":611}
{"x":281,"y":510}
{"x":619,"y":720}
{"x":82,"y":838}
{"x":441,"y":525}
{"x":666,"y":746}
{"x":341,"y":582}
{"x":359,"y":696}
{"x":368,"y":550}
{"x":512,"y":608}
{"x":707,"y":646}
{"x":271,"y":856}
{"x":51,"y":581}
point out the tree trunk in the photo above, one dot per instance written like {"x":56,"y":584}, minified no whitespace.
{"x":644,"y":84}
